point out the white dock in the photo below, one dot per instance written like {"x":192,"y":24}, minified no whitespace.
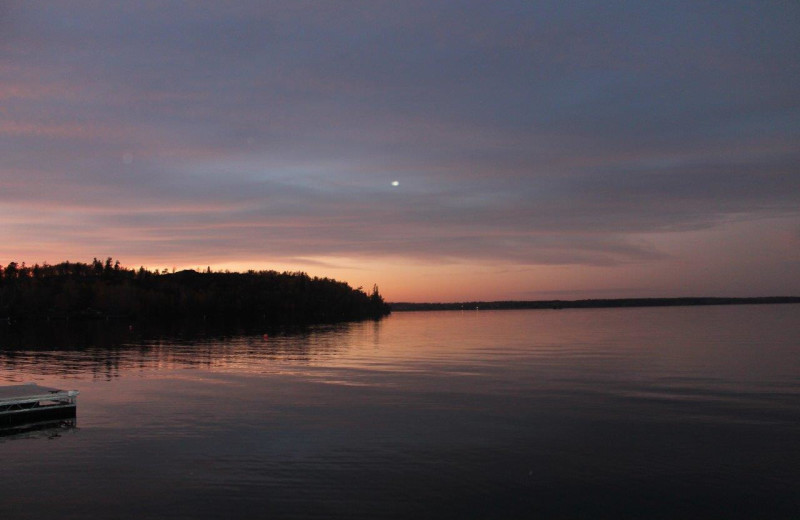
{"x":31,"y":401}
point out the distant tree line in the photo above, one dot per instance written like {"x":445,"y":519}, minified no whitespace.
{"x":590,"y":304}
{"x":106,"y":290}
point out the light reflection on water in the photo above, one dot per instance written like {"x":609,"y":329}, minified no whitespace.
{"x":607,"y":413}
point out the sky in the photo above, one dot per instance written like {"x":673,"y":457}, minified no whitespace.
{"x":442,"y":150}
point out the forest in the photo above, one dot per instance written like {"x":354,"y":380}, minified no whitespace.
{"x":106,"y":290}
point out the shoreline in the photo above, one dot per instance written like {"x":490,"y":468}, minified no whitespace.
{"x":591,"y":303}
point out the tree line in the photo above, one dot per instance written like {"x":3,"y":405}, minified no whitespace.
{"x":590,"y":304}
{"x":107,"y":290}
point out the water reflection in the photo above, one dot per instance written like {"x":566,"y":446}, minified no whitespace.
{"x":50,"y":430}
{"x":616,"y":413}
{"x":106,"y":350}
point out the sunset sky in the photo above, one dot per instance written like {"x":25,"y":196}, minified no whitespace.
{"x":443,"y":150}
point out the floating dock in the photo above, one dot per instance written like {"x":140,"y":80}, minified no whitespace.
{"x":32,"y":403}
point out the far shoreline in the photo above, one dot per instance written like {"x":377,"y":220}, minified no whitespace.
{"x":590,"y":303}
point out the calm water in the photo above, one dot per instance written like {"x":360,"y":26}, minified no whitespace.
{"x":606,"y":413}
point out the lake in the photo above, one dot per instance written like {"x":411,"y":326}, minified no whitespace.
{"x":673,"y":413}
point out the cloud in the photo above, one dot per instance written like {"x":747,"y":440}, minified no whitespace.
{"x":555,"y":133}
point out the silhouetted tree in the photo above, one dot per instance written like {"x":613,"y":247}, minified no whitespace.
{"x":98,"y":290}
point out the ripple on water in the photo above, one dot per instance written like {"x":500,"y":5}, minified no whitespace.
{"x":606,"y":413}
